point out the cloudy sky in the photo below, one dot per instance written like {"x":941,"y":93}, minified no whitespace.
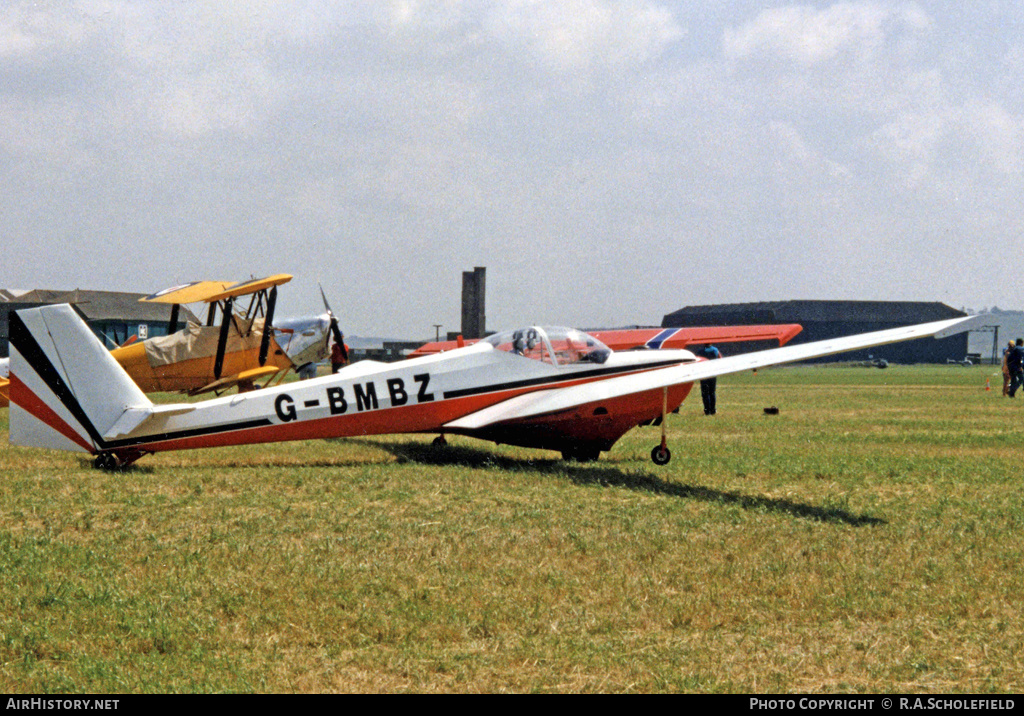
{"x":608,"y":162}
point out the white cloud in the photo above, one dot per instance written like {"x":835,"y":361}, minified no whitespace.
{"x":575,"y":35}
{"x":428,"y":136}
{"x":997,"y":134}
{"x":809,"y":36}
{"x":29,"y":28}
{"x":910,"y":144}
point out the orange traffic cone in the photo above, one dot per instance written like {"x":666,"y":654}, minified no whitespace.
{"x":987,"y":386}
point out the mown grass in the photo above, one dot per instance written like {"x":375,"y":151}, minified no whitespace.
{"x":867,"y":538}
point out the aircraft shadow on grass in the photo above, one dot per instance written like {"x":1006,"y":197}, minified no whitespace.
{"x":580,"y":474}
{"x":136,"y":469}
{"x":607,"y":475}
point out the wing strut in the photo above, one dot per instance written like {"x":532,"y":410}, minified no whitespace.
{"x":172,"y":327}
{"x":267,"y":323}
{"x":222,"y":342}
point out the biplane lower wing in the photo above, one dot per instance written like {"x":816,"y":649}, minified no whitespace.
{"x":245,"y":380}
{"x":658,"y":338}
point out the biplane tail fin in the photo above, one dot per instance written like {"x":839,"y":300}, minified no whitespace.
{"x":67,"y":392}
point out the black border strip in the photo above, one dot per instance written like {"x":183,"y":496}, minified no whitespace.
{"x":26,"y":344}
{"x":191,"y":433}
{"x":555,"y":380}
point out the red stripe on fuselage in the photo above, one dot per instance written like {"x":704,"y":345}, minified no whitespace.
{"x":24,"y":398}
{"x":427,"y":417}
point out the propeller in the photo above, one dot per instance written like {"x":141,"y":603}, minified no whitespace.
{"x":339,"y":337}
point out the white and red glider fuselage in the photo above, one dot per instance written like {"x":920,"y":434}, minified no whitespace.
{"x":438,"y":393}
{"x":551,"y":388}
{"x":421,"y":395}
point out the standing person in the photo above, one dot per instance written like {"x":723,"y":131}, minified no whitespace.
{"x":339,"y":356}
{"x":708,"y":386}
{"x":1015,"y":362}
{"x":1006,"y":369}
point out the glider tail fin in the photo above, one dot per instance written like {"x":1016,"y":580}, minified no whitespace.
{"x":67,"y":391}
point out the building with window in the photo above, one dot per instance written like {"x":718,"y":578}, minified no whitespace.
{"x":114,"y":316}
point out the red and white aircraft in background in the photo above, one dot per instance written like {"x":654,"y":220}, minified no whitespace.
{"x":549,"y":388}
{"x":620,"y":339}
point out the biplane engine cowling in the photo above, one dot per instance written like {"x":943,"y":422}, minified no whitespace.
{"x":304,"y":340}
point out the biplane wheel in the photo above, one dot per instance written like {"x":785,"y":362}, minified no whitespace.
{"x":439,"y":441}
{"x":661,"y":455}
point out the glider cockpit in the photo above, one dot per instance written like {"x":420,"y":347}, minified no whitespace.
{"x":555,"y":345}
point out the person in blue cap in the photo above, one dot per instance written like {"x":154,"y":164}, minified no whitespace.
{"x":1015,"y":362}
{"x":708,"y":386}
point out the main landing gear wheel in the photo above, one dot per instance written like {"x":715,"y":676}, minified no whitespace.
{"x":661,"y":455}
{"x":439,"y":441}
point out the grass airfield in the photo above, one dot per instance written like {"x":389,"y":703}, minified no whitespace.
{"x":866,"y":539}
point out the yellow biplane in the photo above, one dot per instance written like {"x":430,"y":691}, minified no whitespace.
{"x":234,"y":347}
{"x":238,"y":344}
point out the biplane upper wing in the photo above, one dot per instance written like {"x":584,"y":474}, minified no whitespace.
{"x":207,"y":291}
{"x":246,"y":287}
{"x":189,"y":292}
{"x":628,"y":338}
{"x":553,"y":401}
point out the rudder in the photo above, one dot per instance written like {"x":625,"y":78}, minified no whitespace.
{"x":67,"y":390}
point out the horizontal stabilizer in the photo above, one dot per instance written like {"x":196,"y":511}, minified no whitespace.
{"x":132,"y":418}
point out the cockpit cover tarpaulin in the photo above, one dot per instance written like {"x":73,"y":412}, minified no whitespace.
{"x":198,"y":341}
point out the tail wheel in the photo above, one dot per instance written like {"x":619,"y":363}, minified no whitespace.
{"x":661,"y":455}
{"x":107,"y":461}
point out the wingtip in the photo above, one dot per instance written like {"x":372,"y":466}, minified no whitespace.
{"x":960,"y":325}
